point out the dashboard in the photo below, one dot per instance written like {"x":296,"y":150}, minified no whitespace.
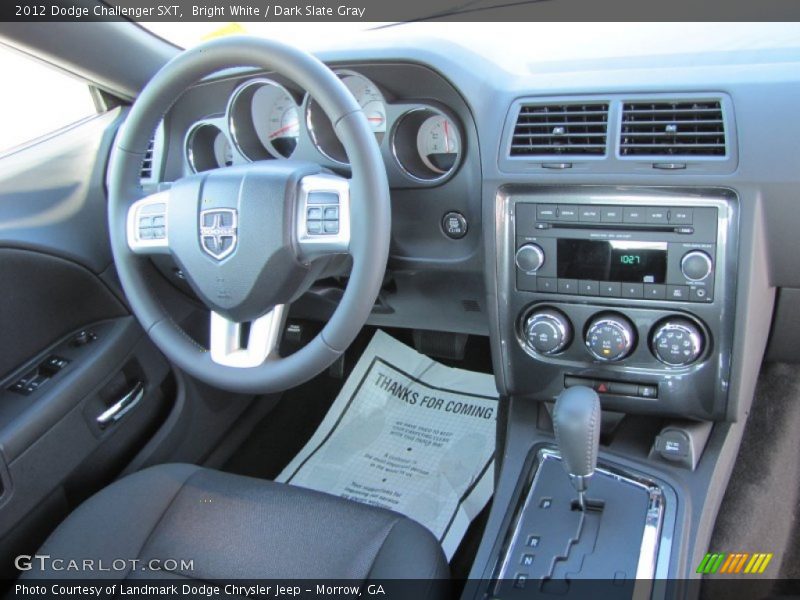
{"x":581,"y":214}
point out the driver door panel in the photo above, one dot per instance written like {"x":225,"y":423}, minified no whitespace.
{"x":70,"y":352}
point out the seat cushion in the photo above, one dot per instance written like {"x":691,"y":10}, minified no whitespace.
{"x":235,"y":527}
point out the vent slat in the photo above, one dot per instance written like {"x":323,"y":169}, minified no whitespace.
{"x":673,"y":128}
{"x":561,"y":129}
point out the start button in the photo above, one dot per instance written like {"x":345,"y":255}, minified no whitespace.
{"x":454,"y":225}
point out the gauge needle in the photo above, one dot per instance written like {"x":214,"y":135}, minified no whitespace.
{"x":284,"y":129}
{"x":446,"y":139}
{"x":375,"y":119}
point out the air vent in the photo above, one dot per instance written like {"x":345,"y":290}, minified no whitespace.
{"x":685,"y":128}
{"x":146,"y":173}
{"x":561,"y":130}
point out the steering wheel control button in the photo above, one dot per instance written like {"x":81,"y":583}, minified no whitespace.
{"x":530,"y":258}
{"x":677,"y":342}
{"x":147,"y":223}
{"x":454,"y":225}
{"x":696,"y":265}
{"x":547,"y":331}
{"x":322,"y":217}
{"x":610,"y":337}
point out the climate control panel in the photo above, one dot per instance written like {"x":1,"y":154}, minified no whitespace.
{"x":675,"y":340}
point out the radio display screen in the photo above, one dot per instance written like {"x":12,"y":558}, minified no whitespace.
{"x":623,"y":261}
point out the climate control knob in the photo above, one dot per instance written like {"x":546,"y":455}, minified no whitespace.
{"x":530,"y":258}
{"x":610,"y":337}
{"x":696,"y":265}
{"x":677,"y":342}
{"x":547,"y":331}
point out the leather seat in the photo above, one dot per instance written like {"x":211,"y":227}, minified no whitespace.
{"x":235,"y":527}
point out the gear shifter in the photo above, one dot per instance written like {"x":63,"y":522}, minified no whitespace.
{"x":576,"y":420}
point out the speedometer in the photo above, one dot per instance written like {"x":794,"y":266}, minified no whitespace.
{"x":277,"y":119}
{"x":438,"y":143}
{"x":370,"y":100}
{"x":372,"y":103}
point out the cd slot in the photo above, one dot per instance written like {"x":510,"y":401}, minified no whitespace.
{"x":683,"y":230}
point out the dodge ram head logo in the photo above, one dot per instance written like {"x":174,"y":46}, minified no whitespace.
{"x":218,"y":231}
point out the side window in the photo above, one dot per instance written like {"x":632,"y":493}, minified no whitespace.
{"x":37,"y":99}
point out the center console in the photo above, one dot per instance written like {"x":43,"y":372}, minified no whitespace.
{"x":629,"y":291}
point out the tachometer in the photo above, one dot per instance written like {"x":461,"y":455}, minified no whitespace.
{"x":264,"y":120}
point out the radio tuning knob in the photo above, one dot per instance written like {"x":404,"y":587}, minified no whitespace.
{"x":696,"y":265}
{"x":547,"y":331}
{"x":677,"y":342}
{"x":530,"y":258}
{"x":610,"y":337}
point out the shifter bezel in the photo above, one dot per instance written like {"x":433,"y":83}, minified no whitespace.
{"x":654,"y":553}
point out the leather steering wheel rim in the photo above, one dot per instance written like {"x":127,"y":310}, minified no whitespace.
{"x":370,"y":219}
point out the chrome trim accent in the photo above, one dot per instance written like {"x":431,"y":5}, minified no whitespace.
{"x":393,"y":146}
{"x":122,"y":406}
{"x":623,"y":327}
{"x":217,"y":231}
{"x":694,"y":334}
{"x":539,"y":252}
{"x":702,"y":255}
{"x":560,"y":327}
{"x":340,"y":73}
{"x":231,"y":123}
{"x":311,"y":246}
{"x":148,"y":246}
{"x":651,"y":544}
{"x":265,"y":332}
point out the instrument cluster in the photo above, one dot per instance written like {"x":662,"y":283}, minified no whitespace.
{"x":422,"y":142}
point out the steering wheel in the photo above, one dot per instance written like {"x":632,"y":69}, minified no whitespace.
{"x":242,"y":234}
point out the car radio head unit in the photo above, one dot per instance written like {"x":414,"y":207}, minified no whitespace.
{"x":617,"y":251}
{"x":611,"y":260}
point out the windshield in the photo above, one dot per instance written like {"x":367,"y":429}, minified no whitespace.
{"x":515,"y":46}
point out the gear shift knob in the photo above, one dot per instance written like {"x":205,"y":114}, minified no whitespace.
{"x":576,"y":420}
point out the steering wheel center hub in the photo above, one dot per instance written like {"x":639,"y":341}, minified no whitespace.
{"x":230,"y":231}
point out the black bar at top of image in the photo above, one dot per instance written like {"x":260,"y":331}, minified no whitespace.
{"x":399,"y":10}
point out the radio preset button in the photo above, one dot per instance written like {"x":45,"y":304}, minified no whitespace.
{"x":567,"y":286}
{"x":611,"y":289}
{"x":588,"y":288}
{"x":547,"y":284}
{"x":634,"y":214}
{"x":655,"y":291}
{"x":632,"y":290}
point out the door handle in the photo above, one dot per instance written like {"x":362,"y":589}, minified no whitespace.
{"x":121,"y":407}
